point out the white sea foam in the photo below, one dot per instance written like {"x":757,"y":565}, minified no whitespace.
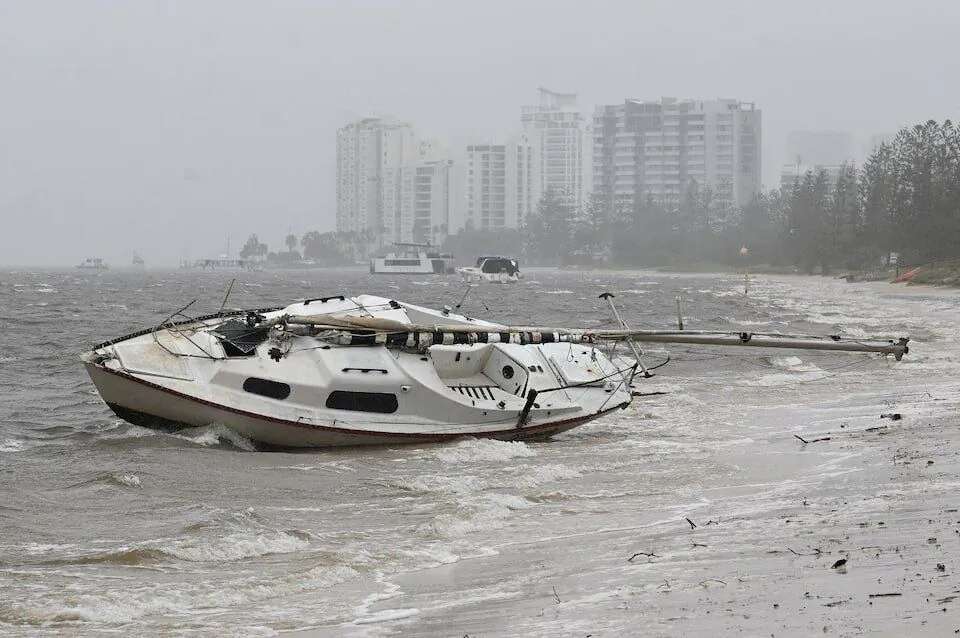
{"x":126,"y":478}
{"x":480,"y":514}
{"x":130,"y":603}
{"x":476,"y":450}
{"x":556,"y":292}
{"x":39,"y":549}
{"x":386,"y":615}
{"x":11,"y":445}
{"x":216,"y":434}
{"x":535,"y":475}
{"x":455,"y":484}
{"x":7,"y":359}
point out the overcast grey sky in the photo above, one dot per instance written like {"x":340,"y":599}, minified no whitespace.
{"x":164,"y":126}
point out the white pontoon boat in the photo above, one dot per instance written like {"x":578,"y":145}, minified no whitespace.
{"x":412,"y":259}
{"x":370,"y":370}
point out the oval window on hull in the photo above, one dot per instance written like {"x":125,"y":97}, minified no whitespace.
{"x":267,"y":388}
{"x":363,"y":401}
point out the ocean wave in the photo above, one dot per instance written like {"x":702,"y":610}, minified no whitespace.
{"x":118,"y":606}
{"x":216,"y":434}
{"x":12,"y":445}
{"x":214,"y":549}
{"x":433,"y":483}
{"x":236,"y":546}
{"x":556,"y":292}
{"x":386,"y":615}
{"x":536,"y":475}
{"x":116,"y":479}
{"x":475,"y":450}
{"x":482,"y":514}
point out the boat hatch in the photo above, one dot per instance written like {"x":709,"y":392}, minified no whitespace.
{"x":578,"y":370}
{"x":238,"y":338}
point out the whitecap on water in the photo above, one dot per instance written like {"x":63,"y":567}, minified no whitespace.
{"x":481,"y":514}
{"x":556,"y":292}
{"x":535,"y":475}
{"x":475,"y":450}
{"x":235,"y":546}
{"x":127,"y":604}
{"x":11,"y":445}
{"x":386,"y":615}
{"x":216,"y":434}
{"x":433,"y":483}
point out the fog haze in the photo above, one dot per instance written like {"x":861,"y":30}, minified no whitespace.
{"x":165,"y":127}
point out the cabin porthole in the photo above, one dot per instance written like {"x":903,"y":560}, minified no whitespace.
{"x":507,"y":371}
{"x":381,"y":402}
{"x":266,"y":388}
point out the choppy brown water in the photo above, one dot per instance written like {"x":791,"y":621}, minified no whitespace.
{"x":105,"y":526}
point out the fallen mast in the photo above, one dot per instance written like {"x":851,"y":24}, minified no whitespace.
{"x":370,"y":331}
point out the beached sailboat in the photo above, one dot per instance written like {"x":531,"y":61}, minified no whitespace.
{"x":371,"y":370}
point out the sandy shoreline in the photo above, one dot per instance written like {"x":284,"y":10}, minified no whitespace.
{"x":772,"y":520}
{"x":889,"y":507}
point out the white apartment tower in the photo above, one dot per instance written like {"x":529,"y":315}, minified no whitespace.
{"x":657,"y":149}
{"x":390,"y":184}
{"x":560,"y":144}
{"x":498,"y":193}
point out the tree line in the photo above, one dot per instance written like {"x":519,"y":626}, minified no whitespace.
{"x":904,"y":201}
{"x":314,"y":247}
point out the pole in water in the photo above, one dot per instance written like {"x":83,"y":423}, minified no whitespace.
{"x":608,"y":296}
{"x":227,"y":295}
{"x":679,"y":314}
{"x":464,"y":297}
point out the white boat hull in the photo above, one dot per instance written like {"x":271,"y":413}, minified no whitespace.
{"x":152,"y":405}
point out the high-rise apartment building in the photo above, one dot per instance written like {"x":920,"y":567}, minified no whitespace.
{"x":498,"y":185}
{"x":560,"y":145}
{"x":391,"y":184}
{"x":657,"y":149}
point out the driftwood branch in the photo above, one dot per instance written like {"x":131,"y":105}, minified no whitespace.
{"x":647,"y":554}
{"x":703,"y":583}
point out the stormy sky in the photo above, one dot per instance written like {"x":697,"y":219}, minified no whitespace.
{"x":165,"y":127}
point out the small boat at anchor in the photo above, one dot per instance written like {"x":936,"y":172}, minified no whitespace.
{"x":494,"y":269}
{"x":341,"y":370}
{"x":93,"y":263}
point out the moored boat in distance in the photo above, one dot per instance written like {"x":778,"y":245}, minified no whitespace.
{"x":93,"y":263}
{"x":412,"y":259}
{"x":340,"y":370}
{"x":492,"y":269}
